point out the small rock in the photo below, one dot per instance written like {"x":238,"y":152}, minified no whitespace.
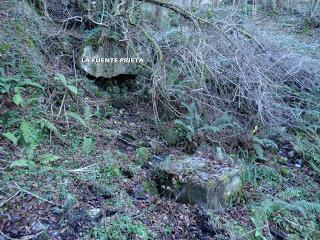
{"x":37,"y":227}
{"x":157,"y":158}
{"x":282,"y":159}
{"x":95,"y":213}
{"x":285,"y":172}
{"x":291,"y":154}
{"x":298,"y":163}
{"x":55,"y":235}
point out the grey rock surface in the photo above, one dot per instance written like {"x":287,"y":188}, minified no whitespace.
{"x":196,"y":180}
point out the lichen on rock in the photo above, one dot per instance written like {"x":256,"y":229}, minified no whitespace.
{"x":195,"y":180}
{"x":107,"y":61}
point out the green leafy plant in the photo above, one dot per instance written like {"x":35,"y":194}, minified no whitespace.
{"x":122,"y":228}
{"x":29,"y":136}
{"x":48,"y":158}
{"x":46,"y":124}
{"x":260,"y":144}
{"x":23,"y":163}
{"x":73,"y":89}
{"x":142,"y":155}
{"x":279,"y":210}
{"x":78,"y":118}
{"x":10,"y":136}
{"x":87,"y":145}
{"x":190,"y":124}
{"x":17,"y":86}
{"x":219,"y":124}
{"x":307,"y":142}
{"x":193,"y":125}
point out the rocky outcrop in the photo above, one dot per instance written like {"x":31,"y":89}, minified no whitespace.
{"x":196,"y":180}
{"x":107,"y":62}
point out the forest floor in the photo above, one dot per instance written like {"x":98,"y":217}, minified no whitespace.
{"x":90,"y":188}
{"x":288,"y":32}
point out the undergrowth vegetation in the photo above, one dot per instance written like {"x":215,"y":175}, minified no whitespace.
{"x":207,"y":83}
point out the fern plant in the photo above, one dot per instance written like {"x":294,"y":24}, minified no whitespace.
{"x":87,"y":146}
{"x":16,"y":86}
{"x":281,"y":208}
{"x":219,"y":124}
{"x":193,"y":124}
{"x":307,"y":142}
{"x":260,"y":144}
{"x":29,"y":136}
{"x":190,"y":124}
{"x":47,"y":125}
{"x":71,"y":88}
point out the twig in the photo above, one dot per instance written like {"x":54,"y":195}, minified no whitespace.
{"x":24,"y":237}
{"x":251,"y":231}
{"x":34,"y":195}
{"x":82,"y":169}
{"x":14,"y":195}
{"x":190,"y":17}
{"x":62,"y":103}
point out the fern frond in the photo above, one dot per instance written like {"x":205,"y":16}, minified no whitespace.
{"x":29,"y":134}
{"x":290,"y":193}
{"x":87,"y":114}
{"x":265,"y":142}
{"x":78,"y":118}
{"x":309,"y":206}
{"x":44,"y":123}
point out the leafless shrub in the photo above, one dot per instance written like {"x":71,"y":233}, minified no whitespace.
{"x":215,"y":64}
{"x":227,"y":70}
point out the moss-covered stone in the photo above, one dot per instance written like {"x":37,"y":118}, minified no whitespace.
{"x":172,"y":136}
{"x":106,"y":61}
{"x":150,"y":187}
{"x":194,"y":180}
{"x":142,"y":155}
{"x":285,"y":172}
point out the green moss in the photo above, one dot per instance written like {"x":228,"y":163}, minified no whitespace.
{"x":211,"y":184}
{"x":142,"y":155}
{"x":4,"y":47}
{"x":19,"y":27}
{"x":122,"y":228}
{"x":285,"y":172}
{"x":26,"y":68}
{"x":30,"y":43}
{"x":172,"y":136}
{"x":150,"y":187}
{"x":92,"y":41}
{"x":225,"y":178}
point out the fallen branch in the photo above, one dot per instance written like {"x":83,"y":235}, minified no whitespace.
{"x":24,"y":237}
{"x":4,"y":202}
{"x":34,"y":195}
{"x":193,"y":18}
